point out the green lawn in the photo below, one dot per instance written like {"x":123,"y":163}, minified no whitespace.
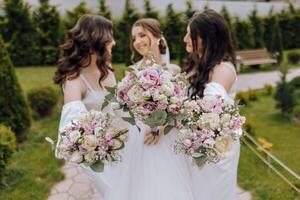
{"x":34,"y":170}
{"x":285,"y":136}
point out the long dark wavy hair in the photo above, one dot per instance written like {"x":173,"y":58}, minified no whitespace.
{"x":90,"y":35}
{"x":217,"y":47}
{"x":153,"y":26}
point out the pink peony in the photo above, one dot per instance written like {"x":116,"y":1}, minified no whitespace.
{"x":148,"y":107}
{"x":150,"y":78}
{"x":122,"y":97}
{"x":174,"y":108}
{"x":178,"y":91}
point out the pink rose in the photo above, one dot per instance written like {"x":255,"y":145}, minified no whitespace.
{"x":178,"y":91}
{"x":174,"y":108}
{"x":162,"y":106}
{"x":150,"y":78}
{"x":122,"y":97}
{"x":111,"y":143}
{"x":187,"y":142}
{"x":149,"y":107}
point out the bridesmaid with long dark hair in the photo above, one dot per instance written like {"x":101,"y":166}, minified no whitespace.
{"x":211,"y":71}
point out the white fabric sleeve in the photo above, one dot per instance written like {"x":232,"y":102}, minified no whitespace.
{"x":70,"y":111}
{"x":214,"y":88}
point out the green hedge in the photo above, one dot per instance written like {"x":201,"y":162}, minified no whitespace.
{"x":14,"y":110}
{"x":42,"y":101}
{"x":7,"y":147}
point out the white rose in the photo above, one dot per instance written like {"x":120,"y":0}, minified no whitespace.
{"x":225,"y":119}
{"x":90,"y":157}
{"x":209,"y":143}
{"x":89,"y":142}
{"x":166,"y":75}
{"x":135,"y":94}
{"x":174,"y":100}
{"x":98,"y":131}
{"x":76,"y":157}
{"x":223,"y":143}
{"x":210,"y":120}
{"x":115,"y":105}
{"x":74,"y":136}
{"x":161,"y":98}
{"x":229,"y":101}
{"x":146,"y":95}
{"x":211,"y":99}
{"x":168,"y":88}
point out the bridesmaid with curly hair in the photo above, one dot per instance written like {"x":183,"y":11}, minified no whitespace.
{"x":84,"y":70}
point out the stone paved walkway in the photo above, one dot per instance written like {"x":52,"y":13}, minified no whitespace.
{"x":257,"y":80}
{"x":77,"y":186}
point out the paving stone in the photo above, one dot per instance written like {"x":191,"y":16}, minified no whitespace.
{"x":60,"y":196}
{"x":79,"y":189}
{"x":81,"y":178}
{"x":63,"y":186}
{"x":244,"y":196}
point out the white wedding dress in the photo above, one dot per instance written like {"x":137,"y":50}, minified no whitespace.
{"x":218,"y":181}
{"x":155,"y":172}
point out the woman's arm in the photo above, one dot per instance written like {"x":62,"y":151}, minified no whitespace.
{"x":224,"y":74}
{"x":73,"y":90}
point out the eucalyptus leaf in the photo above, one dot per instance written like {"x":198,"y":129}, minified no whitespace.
{"x":125,"y":109}
{"x":111,"y":89}
{"x":171,"y":122}
{"x":129,"y":119}
{"x":181,"y":116}
{"x":104,"y":104}
{"x":97,"y":166}
{"x":109,"y":96}
{"x":167,"y":129}
{"x":156,"y":118}
{"x":200,"y":161}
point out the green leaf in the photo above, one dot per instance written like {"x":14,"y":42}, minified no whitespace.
{"x":181,"y":116}
{"x":111,"y":89}
{"x":171,"y":122}
{"x":200,"y":161}
{"x":156,"y":118}
{"x":109,"y":96}
{"x":167,"y":129}
{"x":104,"y":104}
{"x":129,"y":119}
{"x":125,"y":109}
{"x":97,"y":166}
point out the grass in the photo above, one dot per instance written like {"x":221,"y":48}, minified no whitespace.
{"x":34,"y":170}
{"x":264,"y":68}
{"x":284,"y":134}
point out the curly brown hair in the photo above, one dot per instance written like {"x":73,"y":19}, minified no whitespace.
{"x":153,"y":26}
{"x":90,"y":35}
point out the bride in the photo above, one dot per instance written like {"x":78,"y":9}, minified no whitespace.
{"x":149,"y":169}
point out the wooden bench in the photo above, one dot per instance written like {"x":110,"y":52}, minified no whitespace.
{"x":252,"y":57}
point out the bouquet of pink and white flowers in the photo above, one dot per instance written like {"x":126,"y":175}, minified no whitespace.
{"x":209,"y":129}
{"x":93,"y":139}
{"x":151,"y":94}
